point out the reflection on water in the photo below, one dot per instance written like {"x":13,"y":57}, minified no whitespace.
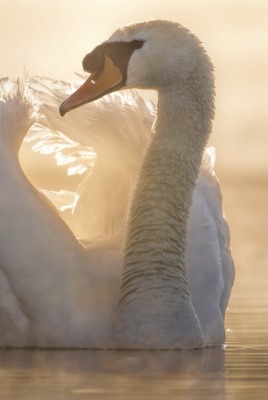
{"x":238,"y":372}
{"x":112,"y":374}
{"x":246,"y":358}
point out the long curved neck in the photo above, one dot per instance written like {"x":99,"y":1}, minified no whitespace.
{"x":157,"y":229}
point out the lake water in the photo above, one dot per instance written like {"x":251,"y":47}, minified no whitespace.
{"x":240,"y":371}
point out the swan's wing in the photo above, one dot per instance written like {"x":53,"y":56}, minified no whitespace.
{"x":18,"y":110}
{"x":78,"y":158}
{"x":118,"y":128}
{"x":62,"y":199}
{"x":223,"y":230}
{"x":44,"y":271}
{"x":22,"y":108}
{"x":120,"y":120}
{"x":13,"y":322}
{"x":209,"y":259}
{"x":53,"y":134}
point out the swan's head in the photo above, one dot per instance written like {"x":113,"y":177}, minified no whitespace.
{"x":149,"y":55}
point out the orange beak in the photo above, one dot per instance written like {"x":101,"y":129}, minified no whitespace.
{"x":108,"y":81}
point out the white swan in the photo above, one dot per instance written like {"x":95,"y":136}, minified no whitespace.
{"x":155,"y":295}
{"x":88,"y":321}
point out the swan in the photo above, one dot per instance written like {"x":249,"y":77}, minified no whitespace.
{"x":155,"y":308}
{"x":68,"y":297}
{"x":18,"y":325}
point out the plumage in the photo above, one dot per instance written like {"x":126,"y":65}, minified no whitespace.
{"x":45,"y":265}
{"x":117,"y":127}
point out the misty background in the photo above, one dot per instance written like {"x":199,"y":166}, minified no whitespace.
{"x":51,"y":37}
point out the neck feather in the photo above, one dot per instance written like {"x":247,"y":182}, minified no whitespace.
{"x":157,"y":230}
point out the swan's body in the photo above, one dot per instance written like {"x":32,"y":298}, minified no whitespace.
{"x":100,"y":212}
{"x":159,"y":299}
